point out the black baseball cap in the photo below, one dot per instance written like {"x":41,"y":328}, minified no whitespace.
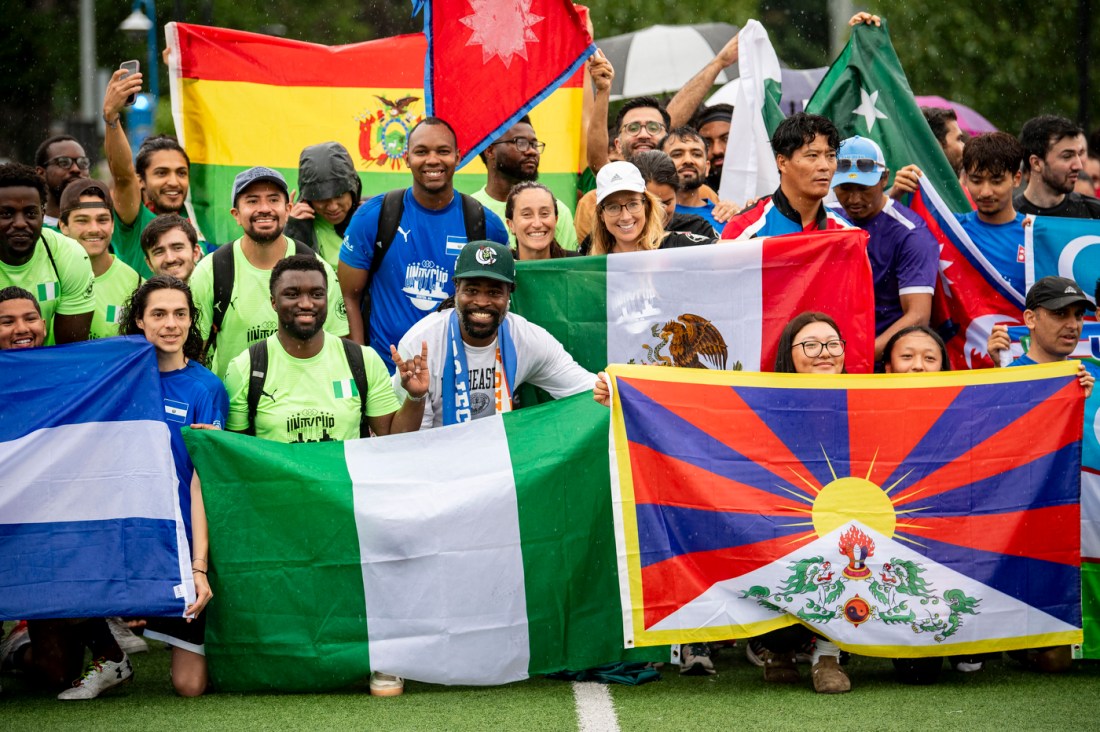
{"x":1055,"y":293}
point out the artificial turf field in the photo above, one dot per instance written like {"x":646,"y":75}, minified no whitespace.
{"x":1001,"y":697}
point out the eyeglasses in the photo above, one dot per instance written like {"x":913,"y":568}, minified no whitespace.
{"x":614,"y":209}
{"x":863,"y":165}
{"x":523,"y":144}
{"x":812,"y":349}
{"x":66,"y":162}
{"x":653,"y":128}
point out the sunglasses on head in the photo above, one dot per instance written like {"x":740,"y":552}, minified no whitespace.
{"x":863,"y":165}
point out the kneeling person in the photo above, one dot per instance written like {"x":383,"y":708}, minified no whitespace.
{"x":481,"y":353}
{"x":303,"y":384}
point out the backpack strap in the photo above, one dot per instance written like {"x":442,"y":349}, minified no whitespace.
{"x":53,"y":263}
{"x":473,"y":213}
{"x":223,"y":292}
{"x":354,"y":354}
{"x":389,"y":219}
{"x":303,"y":248}
{"x":257,"y":374}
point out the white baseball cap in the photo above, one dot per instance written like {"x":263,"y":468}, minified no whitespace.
{"x":618,"y":176}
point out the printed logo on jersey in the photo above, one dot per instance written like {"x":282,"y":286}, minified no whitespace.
{"x":262,"y":331}
{"x":455,"y":244}
{"x":310,"y":425}
{"x":175,"y":411}
{"x":425,"y":283}
{"x":111,"y":316}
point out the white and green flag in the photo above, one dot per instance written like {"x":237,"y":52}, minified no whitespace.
{"x":749,"y":171}
{"x":459,"y":555}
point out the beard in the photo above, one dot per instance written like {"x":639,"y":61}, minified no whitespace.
{"x":693,"y":184}
{"x":1061,"y":185}
{"x":515,"y":171}
{"x":714,"y":179}
{"x":263,"y":238}
{"x":480,"y":330}
{"x":305,"y":332}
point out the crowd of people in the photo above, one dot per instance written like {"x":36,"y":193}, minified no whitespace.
{"x":336,"y":315}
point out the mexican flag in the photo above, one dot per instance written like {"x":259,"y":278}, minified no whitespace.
{"x":722,"y":306}
{"x":865,"y":93}
{"x":366,"y":96}
{"x":458,"y":555}
{"x":749,"y":171}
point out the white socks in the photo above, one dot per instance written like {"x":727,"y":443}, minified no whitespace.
{"x":825,"y":647}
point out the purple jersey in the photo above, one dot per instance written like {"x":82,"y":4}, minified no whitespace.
{"x":904,"y":260}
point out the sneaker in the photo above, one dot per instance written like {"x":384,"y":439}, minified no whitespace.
{"x":100,"y":675}
{"x":829,"y":677}
{"x":129,"y":641}
{"x":17,"y":638}
{"x":386,"y":685}
{"x":966,"y":664}
{"x":780,"y":668}
{"x":695,"y":660}
{"x":754,"y":652}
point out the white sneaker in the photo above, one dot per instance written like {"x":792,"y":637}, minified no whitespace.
{"x":386,"y":685}
{"x":100,"y":675}
{"x":129,"y":641}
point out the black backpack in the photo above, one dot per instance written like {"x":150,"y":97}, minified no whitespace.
{"x":223,"y":286}
{"x":389,"y":218}
{"x":257,"y":368}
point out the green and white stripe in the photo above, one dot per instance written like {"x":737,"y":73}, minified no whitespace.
{"x":345,"y":388}
{"x":111,"y":316}
{"x":47,"y":291}
{"x":460,"y":555}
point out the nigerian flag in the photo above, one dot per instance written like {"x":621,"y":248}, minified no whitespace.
{"x":865,"y":93}
{"x":459,"y":555}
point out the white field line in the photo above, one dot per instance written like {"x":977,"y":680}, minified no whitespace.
{"x":595,"y":711}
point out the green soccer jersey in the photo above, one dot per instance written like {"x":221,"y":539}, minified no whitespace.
{"x":250,"y":317}
{"x":59,"y":274}
{"x":328,"y":241}
{"x":309,"y":399}
{"x":564,"y":233}
{"x":113,"y":289}
{"x":126,"y":241}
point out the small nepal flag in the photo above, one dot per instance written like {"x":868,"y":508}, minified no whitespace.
{"x":490,"y":61}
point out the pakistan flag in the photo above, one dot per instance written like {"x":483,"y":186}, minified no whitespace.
{"x":865,"y":93}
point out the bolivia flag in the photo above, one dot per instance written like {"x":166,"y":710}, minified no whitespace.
{"x":475,"y":554}
{"x":242,"y":99}
{"x":720,"y":307}
{"x":899,"y":515}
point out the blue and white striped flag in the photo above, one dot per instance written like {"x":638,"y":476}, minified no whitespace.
{"x":90,"y":523}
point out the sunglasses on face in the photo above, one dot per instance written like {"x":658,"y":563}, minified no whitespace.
{"x":863,"y":165}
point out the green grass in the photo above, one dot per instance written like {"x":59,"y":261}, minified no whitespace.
{"x":1002,"y":697}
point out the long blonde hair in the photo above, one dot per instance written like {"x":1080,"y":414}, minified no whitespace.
{"x":652,"y":234}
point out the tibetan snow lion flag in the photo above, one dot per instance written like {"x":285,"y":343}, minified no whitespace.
{"x":718,"y":307}
{"x":490,"y":61}
{"x":90,"y":523}
{"x":898,"y":515}
{"x":480,"y":553}
{"x":366,"y":96}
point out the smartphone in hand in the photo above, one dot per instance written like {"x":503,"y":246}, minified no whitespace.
{"x":130,"y":67}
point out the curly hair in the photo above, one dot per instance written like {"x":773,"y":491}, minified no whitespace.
{"x":14,"y":175}
{"x":139,"y":301}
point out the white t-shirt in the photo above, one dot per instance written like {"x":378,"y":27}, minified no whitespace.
{"x":540,"y":361}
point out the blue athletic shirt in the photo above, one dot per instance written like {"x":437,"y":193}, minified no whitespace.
{"x":1002,"y":245}
{"x":706,"y":211}
{"x":192,"y":395}
{"x":416,"y":274}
